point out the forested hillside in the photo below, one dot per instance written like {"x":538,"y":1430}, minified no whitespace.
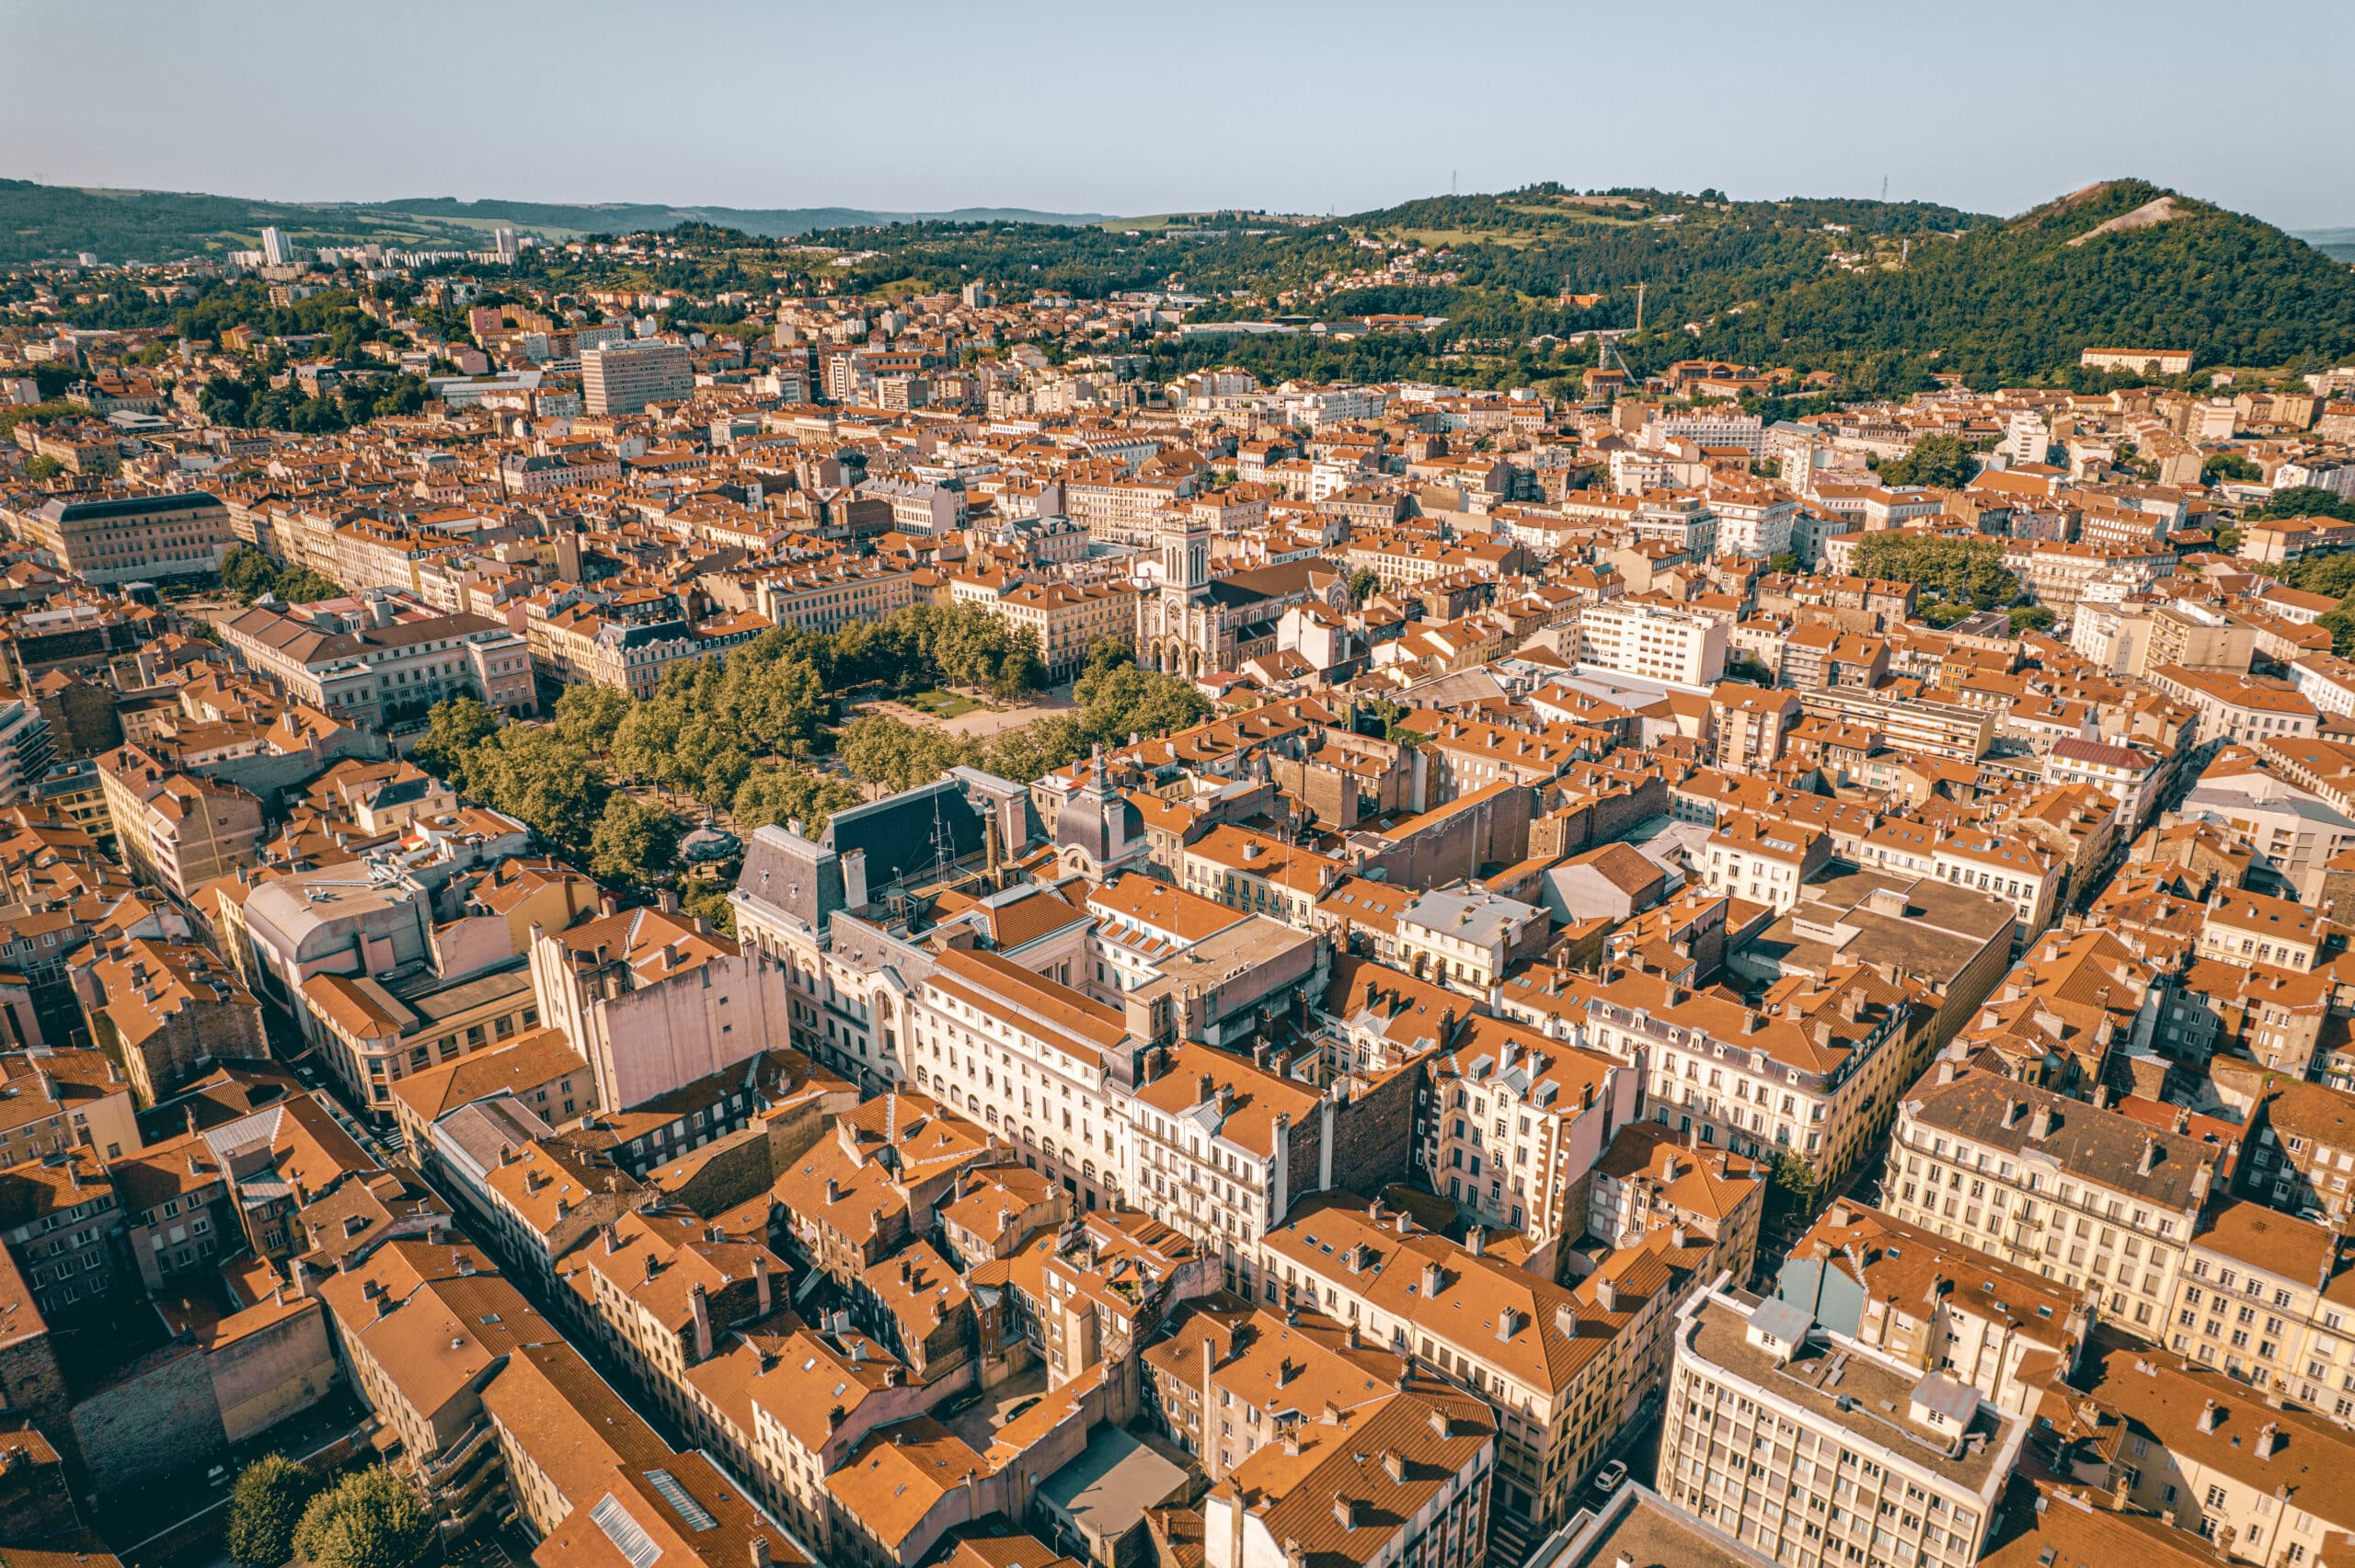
{"x":2016,"y":301}
{"x":1881,"y":295}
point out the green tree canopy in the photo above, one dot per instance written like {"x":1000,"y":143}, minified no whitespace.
{"x":370,"y":1519}
{"x":1942,"y":462}
{"x":783,"y":792}
{"x":552,"y":786}
{"x":632,"y":842}
{"x":2305,"y":500}
{"x":1957,"y":571}
{"x":2230,"y":465}
{"x":265,"y":1507}
{"x":248,"y":573}
{"x":899,"y":756}
{"x":455,"y":730}
{"x":587,"y":714}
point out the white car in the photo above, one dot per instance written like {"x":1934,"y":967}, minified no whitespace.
{"x":1607,"y":1479}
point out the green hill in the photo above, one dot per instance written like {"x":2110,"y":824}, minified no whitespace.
{"x":2122,"y":263}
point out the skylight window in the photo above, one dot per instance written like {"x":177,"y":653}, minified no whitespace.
{"x":667,"y":1487}
{"x":628,"y":1536}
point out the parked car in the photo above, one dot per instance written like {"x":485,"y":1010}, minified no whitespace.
{"x":1607,"y":1481}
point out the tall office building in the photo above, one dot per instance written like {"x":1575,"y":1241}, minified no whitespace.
{"x":623,"y":378}
{"x":275,"y":250}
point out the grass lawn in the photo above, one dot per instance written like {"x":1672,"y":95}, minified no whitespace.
{"x":940,"y":704}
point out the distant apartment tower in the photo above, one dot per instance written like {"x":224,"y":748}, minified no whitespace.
{"x":503,"y":241}
{"x":1652,"y":643}
{"x":623,"y":378}
{"x":2027,"y":437}
{"x":275,"y":251}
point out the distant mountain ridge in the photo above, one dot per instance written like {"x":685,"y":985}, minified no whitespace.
{"x":769,"y":222}
{"x":2336,"y":244}
{"x":43,"y":221}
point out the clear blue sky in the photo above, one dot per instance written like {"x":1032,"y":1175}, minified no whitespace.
{"x":1134,"y":109}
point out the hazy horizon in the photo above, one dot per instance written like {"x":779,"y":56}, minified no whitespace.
{"x":1070,"y":110}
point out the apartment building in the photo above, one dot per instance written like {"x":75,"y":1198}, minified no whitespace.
{"x":1035,"y":1061}
{"x":1907,"y":720}
{"x":2299,"y":1145}
{"x":26,"y":747}
{"x":1753,"y":521}
{"x":1653,"y":643}
{"x":2259,"y":1482}
{"x":1816,"y":1449}
{"x":1812,"y":1074}
{"x":110,"y":539}
{"x":653,"y":1003}
{"x":1765,"y":862}
{"x":170,"y":1009}
{"x":64,"y":1098}
{"x":2059,"y":574}
{"x":1220,"y":1149}
{"x":1651,"y":1180}
{"x":1936,"y":1305}
{"x":1465,"y":938}
{"x":2250,"y":928}
{"x":1465,"y":758}
{"x":623,"y":378}
{"x":1748,"y":725}
{"x":372,"y":666}
{"x":178,"y":831}
{"x":1141,"y":923}
{"x":2026,"y":878}
{"x":1566,"y":1368}
{"x":63,"y":1223}
{"x":829,"y":597}
{"x":1064,"y":620}
{"x":2243,"y":708}
{"x":1403,"y":1473}
{"x":374,"y":1032}
{"x":421,"y":1326}
{"x":2265,"y":1298}
{"x":2132,"y":775}
{"x":596,"y":1484}
{"x":2095,"y":1198}
{"x":1513,"y":1124}
{"x":1258,"y":872}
